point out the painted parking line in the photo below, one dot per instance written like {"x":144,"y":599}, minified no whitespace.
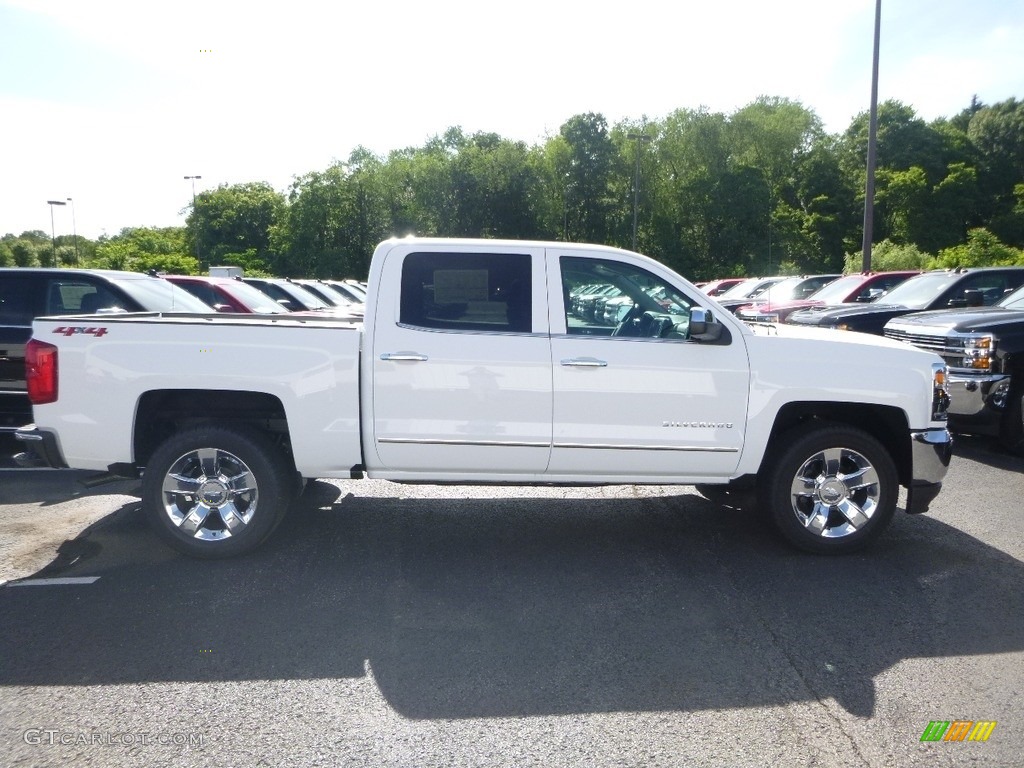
{"x":53,"y":582}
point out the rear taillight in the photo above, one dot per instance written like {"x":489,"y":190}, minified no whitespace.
{"x":41,"y":372}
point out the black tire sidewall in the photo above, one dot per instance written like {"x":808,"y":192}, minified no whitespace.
{"x":265,"y":461}
{"x":1011,"y":430}
{"x":800,"y":446}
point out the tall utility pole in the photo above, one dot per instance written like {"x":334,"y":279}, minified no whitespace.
{"x":869,"y":187}
{"x":193,"y":180}
{"x":74,"y":229}
{"x":53,"y":228}
{"x":640,"y":138}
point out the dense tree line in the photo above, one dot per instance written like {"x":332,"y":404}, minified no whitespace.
{"x":763,"y":190}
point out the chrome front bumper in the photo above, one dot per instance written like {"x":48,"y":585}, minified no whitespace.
{"x":972,"y":396}
{"x":931,"y":451}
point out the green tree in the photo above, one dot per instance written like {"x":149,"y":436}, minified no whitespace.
{"x":888,"y":256}
{"x":591,"y":160}
{"x":25,"y":252}
{"x":825,"y":200}
{"x":982,"y":249}
{"x":997,"y":132}
{"x":232,"y":219}
{"x":140,"y":249}
{"x":693,"y":231}
{"x":333,"y":220}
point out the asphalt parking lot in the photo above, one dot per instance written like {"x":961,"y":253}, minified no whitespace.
{"x":441,"y":626}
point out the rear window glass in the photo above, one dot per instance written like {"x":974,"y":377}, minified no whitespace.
{"x":467,"y":292}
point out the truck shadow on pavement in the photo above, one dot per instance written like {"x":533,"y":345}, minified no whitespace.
{"x":516,"y":607}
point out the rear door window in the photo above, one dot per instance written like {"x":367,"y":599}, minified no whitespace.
{"x":467,"y":291}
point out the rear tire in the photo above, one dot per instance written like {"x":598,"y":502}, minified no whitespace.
{"x":215,"y":491}
{"x":832,"y":489}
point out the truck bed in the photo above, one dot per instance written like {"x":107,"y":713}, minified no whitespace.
{"x":309,"y":366}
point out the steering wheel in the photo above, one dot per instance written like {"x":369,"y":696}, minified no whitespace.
{"x":625,"y":326}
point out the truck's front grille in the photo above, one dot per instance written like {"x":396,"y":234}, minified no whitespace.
{"x":951,"y":349}
{"x":927,"y":341}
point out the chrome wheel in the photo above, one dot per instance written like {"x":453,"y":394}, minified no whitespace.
{"x":210,"y":494}
{"x":831,"y":488}
{"x":217,"y":490}
{"x":835,"y":492}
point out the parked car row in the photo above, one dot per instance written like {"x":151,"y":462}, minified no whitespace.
{"x":971,"y":317}
{"x":27,"y":293}
{"x":848,"y":289}
{"x":609,"y":305}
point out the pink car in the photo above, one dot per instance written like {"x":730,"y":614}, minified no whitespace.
{"x":862,"y":287}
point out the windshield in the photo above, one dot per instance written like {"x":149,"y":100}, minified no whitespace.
{"x":308,"y":298}
{"x":740,"y":290}
{"x":1014,"y":300}
{"x":329,"y":294}
{"x":836,"y":291}
{"x":919,"y":291}
{"x":780,"y":290}
{"x":158,"y":295}
{"x":255,"y":299}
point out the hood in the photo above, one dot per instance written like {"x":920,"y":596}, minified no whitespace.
{"x":823,"y":335}
{"x":775,"y":306}
{"x":972,"y":319}
{"x":832,"y":313}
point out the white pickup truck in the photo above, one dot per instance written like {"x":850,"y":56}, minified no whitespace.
{"x":481,"y":361}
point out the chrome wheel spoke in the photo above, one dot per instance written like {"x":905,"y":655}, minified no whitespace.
{"x":832,"y":459}
{"x":209,"y":461}
{"x":865,"y":477}
{"x":193,"y":522}
{"x":241,"y":483}
{"x":233,"y":520}
{"x":817,"y":521}
{"x":177,"y":483}
{"x":853,"y":514}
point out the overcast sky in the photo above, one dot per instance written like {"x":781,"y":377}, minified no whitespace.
{"x":112,"y":103}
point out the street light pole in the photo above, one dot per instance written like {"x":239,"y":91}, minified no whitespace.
{"x":74,"y":229}
{"x":869,"y":186}
{"x":53,"y":229}
{"x":639,"y":138}
{"x":193,"y":180}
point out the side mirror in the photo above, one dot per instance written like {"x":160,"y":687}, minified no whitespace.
{"x":703,"y":326}
{"x":974,"y":297}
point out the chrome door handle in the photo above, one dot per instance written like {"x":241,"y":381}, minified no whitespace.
{"x":403,"y":356}
{"x":584,"y":362}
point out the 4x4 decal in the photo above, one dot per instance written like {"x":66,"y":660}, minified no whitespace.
{"x":72,"y":330}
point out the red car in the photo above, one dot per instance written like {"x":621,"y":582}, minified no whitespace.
{"x":226,"y":294}
{"x":862,"y":287}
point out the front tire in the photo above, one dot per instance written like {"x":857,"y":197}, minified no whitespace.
{"x":214,"y":491}
{"x":1011,"y":430}
{"x":832,"y":490}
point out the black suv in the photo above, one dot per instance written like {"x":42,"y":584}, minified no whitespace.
{"x":942,"y":289}
{"x":27,"y":293}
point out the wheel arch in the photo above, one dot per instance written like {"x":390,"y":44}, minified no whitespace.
{"x":161,"y":413}
{"x":886,"y":424}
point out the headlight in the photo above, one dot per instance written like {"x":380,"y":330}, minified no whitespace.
{"x":940,"y":392}
{"x":978,"y":352}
